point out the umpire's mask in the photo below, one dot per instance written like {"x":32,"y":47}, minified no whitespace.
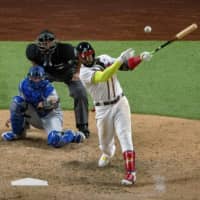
{"x":46,"y":42}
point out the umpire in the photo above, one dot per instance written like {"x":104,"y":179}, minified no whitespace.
{"x":60,"y":63}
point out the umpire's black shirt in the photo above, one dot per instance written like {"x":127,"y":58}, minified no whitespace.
{"x":62,"y":61}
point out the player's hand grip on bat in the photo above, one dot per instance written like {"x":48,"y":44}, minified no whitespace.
{"x":146,"y":56}
{"x":125,"y":55}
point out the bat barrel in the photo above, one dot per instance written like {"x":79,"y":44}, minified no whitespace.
{"x":186,"y":31}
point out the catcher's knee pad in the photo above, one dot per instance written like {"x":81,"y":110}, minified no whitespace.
{"x":17,"y":109}
{"x":18,"y":105}
{"x":55,"y":139}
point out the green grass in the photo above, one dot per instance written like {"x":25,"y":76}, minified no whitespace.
{"x":168,"y":85}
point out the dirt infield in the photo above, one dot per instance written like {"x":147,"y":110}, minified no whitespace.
{"x":168,"y":149}
{"x":167,"y":164}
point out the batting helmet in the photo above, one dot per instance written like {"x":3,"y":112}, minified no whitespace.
{"x":86,"y":53}
{"x":46,"y":42}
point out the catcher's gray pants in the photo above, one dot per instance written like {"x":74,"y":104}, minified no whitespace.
{"x":52,"y":121}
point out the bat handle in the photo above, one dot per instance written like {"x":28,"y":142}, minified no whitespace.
{"x":157,"y":49}
{"x":162,"y":46}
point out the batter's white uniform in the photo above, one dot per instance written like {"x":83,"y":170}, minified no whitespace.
{"x":112,"y":108}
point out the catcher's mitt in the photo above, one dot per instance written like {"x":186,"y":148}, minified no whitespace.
{"x":49,"y":104}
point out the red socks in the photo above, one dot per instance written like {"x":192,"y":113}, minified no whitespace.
{"x":129,"y":158}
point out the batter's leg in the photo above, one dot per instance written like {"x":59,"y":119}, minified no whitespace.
{"x":106,"y":132}
{"x":124,"y":133}
{"x":123,"y":127}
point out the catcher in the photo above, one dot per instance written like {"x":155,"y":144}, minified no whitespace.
{"x":111,"y":105}
{"x":38,"y":104}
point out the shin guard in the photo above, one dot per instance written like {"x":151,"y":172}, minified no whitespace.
{"x":17,"y":110}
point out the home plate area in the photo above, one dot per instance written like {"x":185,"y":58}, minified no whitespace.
{"x":29,"y":182}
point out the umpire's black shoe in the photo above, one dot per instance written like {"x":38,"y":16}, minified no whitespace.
{"x":84,"y":129}
{"x":86,"y":133}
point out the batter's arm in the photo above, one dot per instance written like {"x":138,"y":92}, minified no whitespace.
{"x":102,"y":76}
{"x":131,"y":64}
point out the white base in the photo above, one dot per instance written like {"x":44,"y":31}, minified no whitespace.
{"x":29,"y":182}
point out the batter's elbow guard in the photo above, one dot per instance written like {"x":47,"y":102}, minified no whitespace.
{"x":133,"y":62}
{"x":55,"y":139}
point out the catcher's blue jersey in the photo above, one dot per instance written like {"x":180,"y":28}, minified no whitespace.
{"x":33,"y":94}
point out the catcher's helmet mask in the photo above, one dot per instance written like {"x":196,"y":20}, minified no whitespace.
{"x":46,"y":42}
{"x":36,"y":76}
{"x":86,"y":53}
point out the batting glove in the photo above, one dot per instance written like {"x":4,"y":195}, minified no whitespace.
{"x":125,"y":55}
{"x":146,"y":56}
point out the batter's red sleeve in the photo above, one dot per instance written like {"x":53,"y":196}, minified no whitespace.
{"x":133,"y":62}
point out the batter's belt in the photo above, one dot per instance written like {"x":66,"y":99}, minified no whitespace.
{"x":105,"y":103}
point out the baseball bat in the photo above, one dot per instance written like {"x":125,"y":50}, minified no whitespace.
{"x":186,"y":31}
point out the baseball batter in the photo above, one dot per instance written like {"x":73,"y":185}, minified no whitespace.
{"x":111,"y":105}
{"x":38,"y":103}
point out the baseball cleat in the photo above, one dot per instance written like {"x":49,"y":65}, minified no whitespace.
{"x":9,"y":136}
{"x":130,"y":179}
{"x":104,"y":160}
